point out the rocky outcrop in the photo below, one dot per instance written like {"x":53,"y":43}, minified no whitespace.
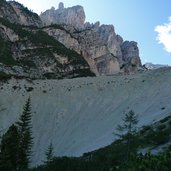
{"x":65,"y":46}
{"x":104,"y":50}
{"x":25,"y":16}
{"x":100,"y":45}
{"x":31,"y":52}
{"x":63,"y":36}
{"x":130,"y":56}
{"x":74,"y":16}
{"x":17,"y":13}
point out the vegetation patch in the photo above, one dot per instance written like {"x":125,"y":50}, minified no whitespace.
{"x":5,"y":53}
{"x":165,"y":119}
{"x":4,"y":76}
{"x":121,"y":155}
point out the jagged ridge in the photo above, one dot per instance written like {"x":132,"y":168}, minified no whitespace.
{"x":103,"y":49}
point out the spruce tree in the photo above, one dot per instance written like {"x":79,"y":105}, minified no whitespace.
{"x":26,"y":140}
{"x":9,"y":149}
{"x":49,"y":154}
{"x":127,"y":130}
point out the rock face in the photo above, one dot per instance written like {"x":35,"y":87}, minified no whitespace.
{"x":74,"y":16}
{"x":67,"y":46}
{"x":130,"y":54}
{"x":104,"y":50}
{"x":27,"y":51}
{"x":17,"y":13}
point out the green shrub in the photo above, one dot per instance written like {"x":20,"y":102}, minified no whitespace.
{"x":165,"y":119}
{"x":161,"y":127}
{"x":146,"y":129}
{"x":5,"y":53}
{"x":169,"y":122}
{"x":4,"y":76}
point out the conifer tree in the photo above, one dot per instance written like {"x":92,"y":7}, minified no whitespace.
{"x":127,"y":130}
{"x":49,"y":154}
{"x":25,"y":143}
{"x":9,"y":149}
{"x":16,"y":143}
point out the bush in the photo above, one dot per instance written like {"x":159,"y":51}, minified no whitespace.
{"x":4,"y":76}
{"x":161,"y":127}
{"x":165,"y":119}
{"x":5,"y":53}
{"x":145,"y":129}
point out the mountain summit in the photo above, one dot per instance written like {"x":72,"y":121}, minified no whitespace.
{"x":74,"y":16}
{"x":103,"y":49}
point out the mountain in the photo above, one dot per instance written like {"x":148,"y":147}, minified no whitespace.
{"x":59,"y":44}
{"x":76,"y":115}
{"x":80,"y":115}
{"x":103,"y":49}
{"x":154,"y":66}
{"x":28,"y":51}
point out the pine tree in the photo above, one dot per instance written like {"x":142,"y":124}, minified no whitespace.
{"x":9,"y":149}
{"x":49,"y":154}
{"x":26,"y":140}
{"x":127,"y":130}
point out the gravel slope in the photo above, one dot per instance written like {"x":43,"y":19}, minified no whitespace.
{"x":80,"y":115}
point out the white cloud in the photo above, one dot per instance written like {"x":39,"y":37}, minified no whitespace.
{"x":164,"y":35}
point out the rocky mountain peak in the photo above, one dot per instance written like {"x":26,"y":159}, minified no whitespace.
{"x":65,"y":38}
{"x":61,"y":6}
{"x":105,"y":51}
{"x":73,"y":16}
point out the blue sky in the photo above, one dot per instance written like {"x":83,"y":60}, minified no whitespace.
{"x":133,"y":19}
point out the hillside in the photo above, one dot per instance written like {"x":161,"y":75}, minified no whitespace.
{"x":80,"y":115}
{"x":82,"y":79}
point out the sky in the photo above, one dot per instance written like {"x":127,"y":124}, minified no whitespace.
{"x":147,"y":22}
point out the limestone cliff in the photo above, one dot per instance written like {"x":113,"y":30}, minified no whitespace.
{"x":27,"y":51}
{"x":103,"y":49}
{"x":17,"y":13}
{"x":74,"y":16}
{"x":60,"y":42}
